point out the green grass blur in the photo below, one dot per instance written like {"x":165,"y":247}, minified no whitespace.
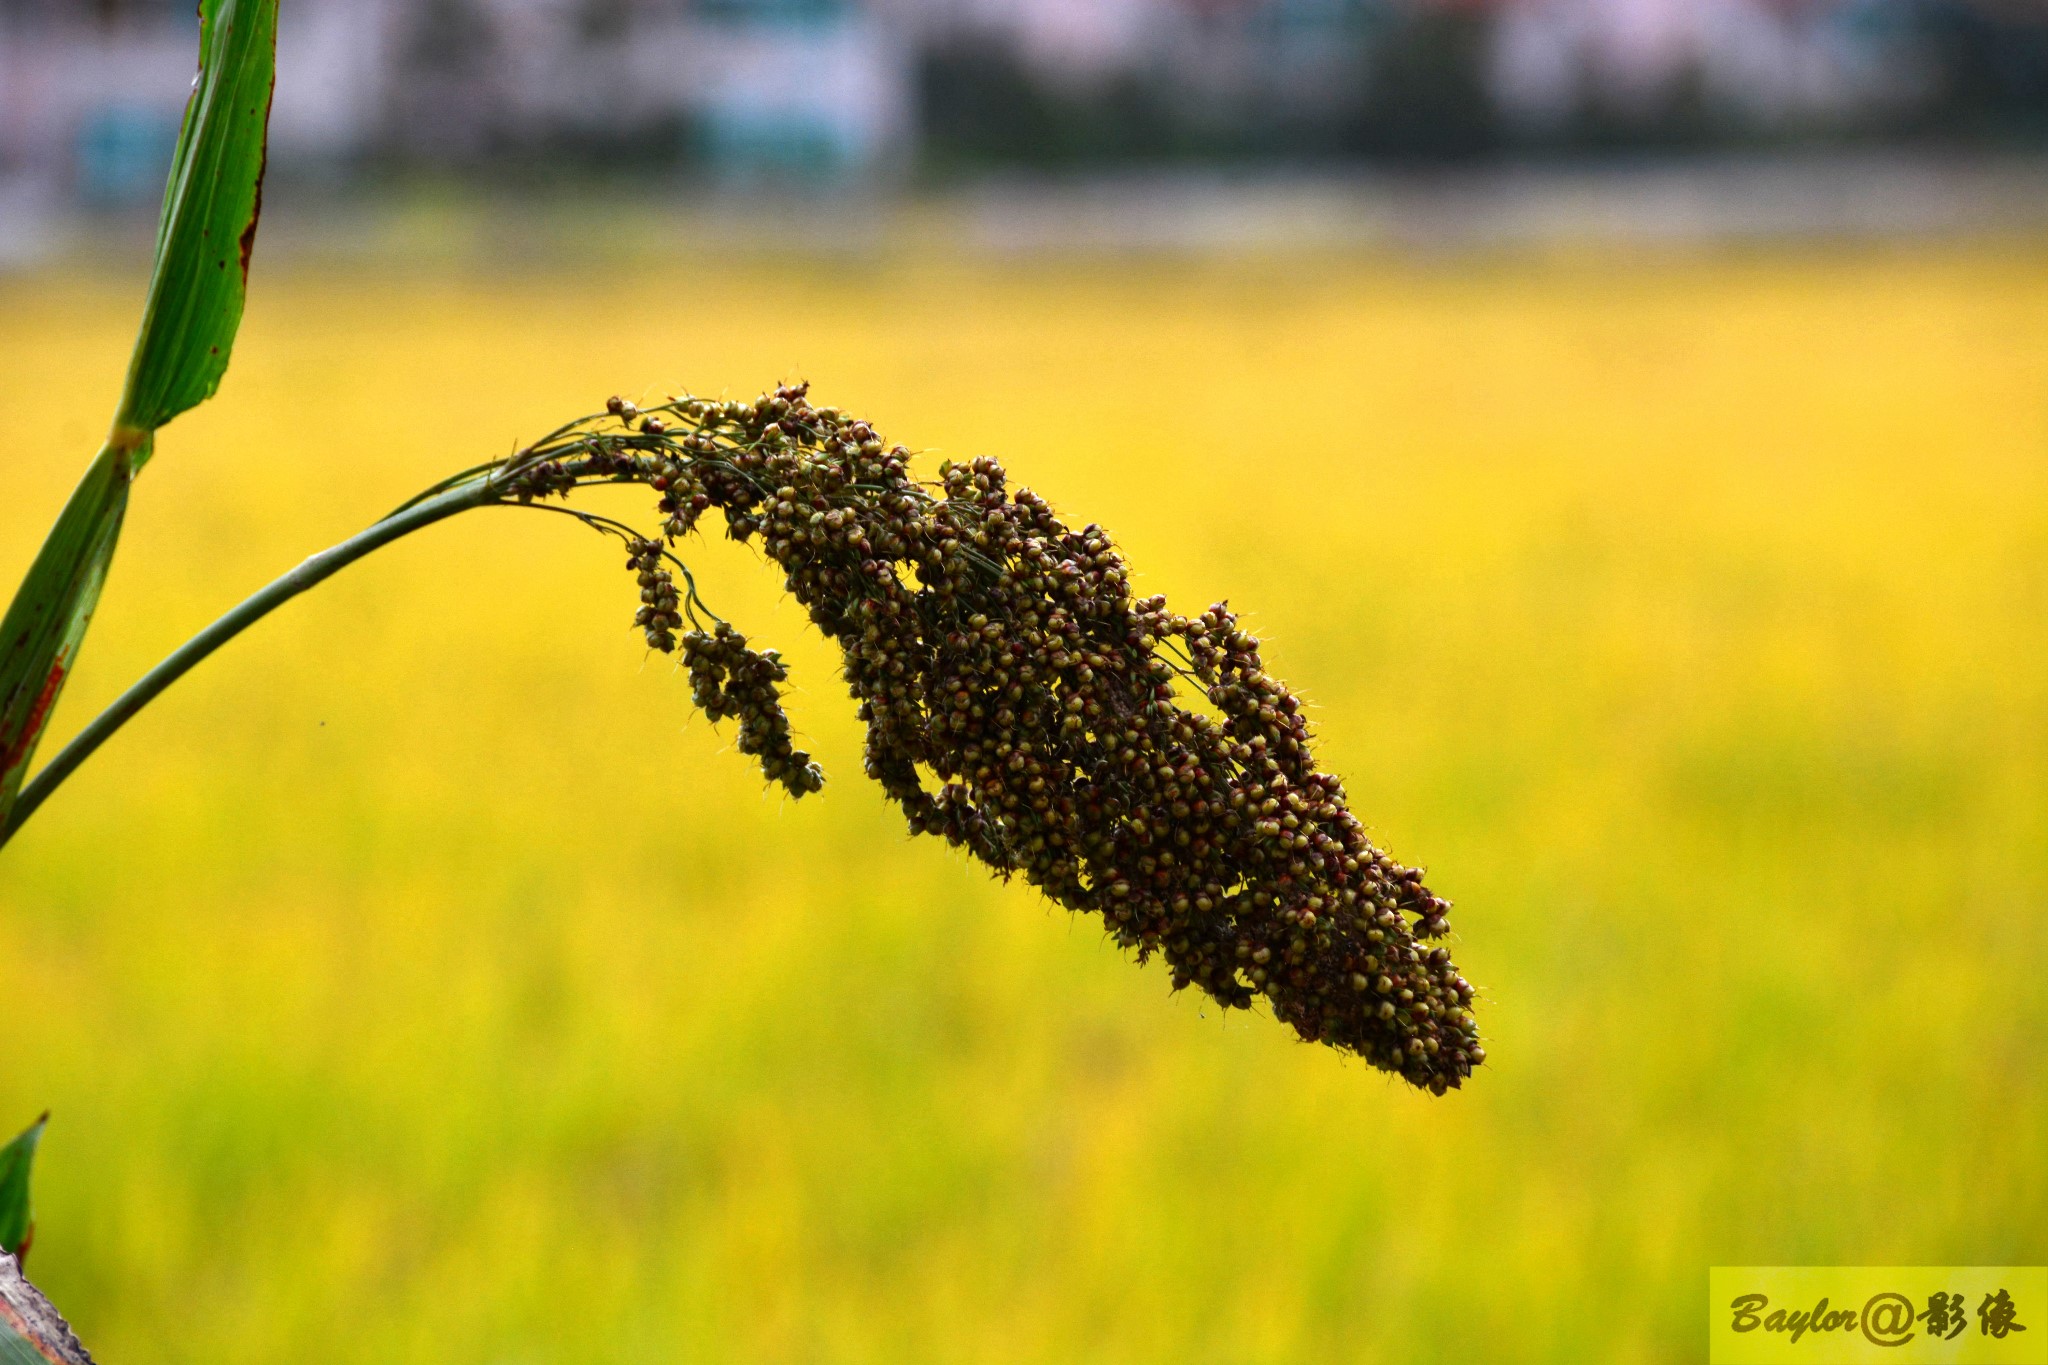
{"x":421,"y":981}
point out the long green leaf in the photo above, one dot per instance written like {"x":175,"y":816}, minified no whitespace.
{"x":45,"y":624}
{"x":209,"y":219}
{"x":17,"y":1213}
{"x":188,"y":330}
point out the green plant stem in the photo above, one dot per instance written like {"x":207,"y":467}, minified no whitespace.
{"x":259,"y":605}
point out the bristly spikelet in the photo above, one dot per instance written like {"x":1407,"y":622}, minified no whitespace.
{"x":1020,"y":702}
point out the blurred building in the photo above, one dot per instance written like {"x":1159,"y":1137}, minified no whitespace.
{"x":1431,"y":78}
{"x":91,"y":93}
{"x":850,"y":91}
{"x":812,"y":89}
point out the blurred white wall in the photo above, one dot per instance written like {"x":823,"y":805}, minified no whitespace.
{"x":1773,"y":61}
{"x":335,"y":61}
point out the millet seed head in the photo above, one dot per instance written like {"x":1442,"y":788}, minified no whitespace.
{"x":1021,"y":703}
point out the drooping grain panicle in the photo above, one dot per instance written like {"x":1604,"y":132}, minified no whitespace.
{"x":1020,"y":702}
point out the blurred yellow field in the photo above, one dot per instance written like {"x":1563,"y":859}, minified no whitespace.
{"x":422,"y":981}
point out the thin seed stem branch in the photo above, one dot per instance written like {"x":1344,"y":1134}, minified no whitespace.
{"x":314,"y":570}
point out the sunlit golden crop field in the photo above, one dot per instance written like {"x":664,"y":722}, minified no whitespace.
{"x":421,"y":981}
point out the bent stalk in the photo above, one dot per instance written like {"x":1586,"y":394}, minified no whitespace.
{"x":260,"y":604}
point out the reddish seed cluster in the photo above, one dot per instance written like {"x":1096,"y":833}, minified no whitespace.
{"x":729,"y":679}
{"x":660,"y":613}
{"x":1129,"y":761}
